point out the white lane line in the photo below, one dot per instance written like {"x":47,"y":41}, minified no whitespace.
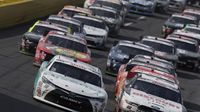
{"x":128,"y":24}
{"x":141,"y":18}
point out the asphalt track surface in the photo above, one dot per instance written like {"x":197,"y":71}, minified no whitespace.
{"x":17,"y":72}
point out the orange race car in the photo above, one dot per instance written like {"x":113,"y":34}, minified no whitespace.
{"x":127,"y":76}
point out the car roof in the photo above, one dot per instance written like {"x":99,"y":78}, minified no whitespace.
{"x":135,"y":63}
{"x":103,"y":8}
{"x":154,"y":62}
{"x":78,"y":64}
{"x":64,"y":19}
{"x":158,"y":40}
{"x":153,"y":58}
{"x":182,"y":39}
{"x":67,"y":36}
{"x":155,"y":73}
{"x":136,"y":45}
{"x":50,"y":25}
{"x":194,"y":11}
{"x":89,"y":17}
{"x":79,"y":9}
{"x":184,"y":16}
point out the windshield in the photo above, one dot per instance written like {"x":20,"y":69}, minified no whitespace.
{"x":185,"y":46}
{"x":42,"y":30}
{"x":181,"y":20}
{"x":73,"y":27}
{"x":157,"y":90}
{"x":93,"y":23}
{"x":133,"y":51}
{"x":76,"y":73}
{"x":160,"y":47}
{"x":66,"y":43}
{"x":197,"y":31}
{"x":103,"y":13}
{"x":69,"y":13}
{"x":109,"y":4}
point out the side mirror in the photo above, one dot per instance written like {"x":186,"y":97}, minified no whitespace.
{"x":44,"y":64}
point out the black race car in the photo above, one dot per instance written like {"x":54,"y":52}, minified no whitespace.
{"x":122,"y":52}
{"x":31,"y":38}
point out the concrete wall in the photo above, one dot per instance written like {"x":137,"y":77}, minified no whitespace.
{"x":20,"y":12}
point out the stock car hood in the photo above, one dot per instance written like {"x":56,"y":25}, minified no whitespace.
{"x":107,"y":19}
{"x":55,"y":50}
{"x":75,"y":86}
{"x":142,"y":2}
{"x":174,"y":25}
{"x":154,"y":102}
{"x":32,"y":37}
{"x":94,"y":31}
{"x":163,"y":55}
{"x":185,"y":53}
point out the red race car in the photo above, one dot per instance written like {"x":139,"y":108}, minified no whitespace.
{"x":59,"y":43}
{"x":126,"y":76}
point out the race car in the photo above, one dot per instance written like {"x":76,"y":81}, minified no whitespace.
{"x":177,"y":5}
{"x":164,"y":48}
{"x":122,"y":52}
{"x":152,"y":62}
{"x":59,"y":43}
{"x":74,"y":26}
{"x":124,"y":76}
{"x":71,"y":10}
{"x":190,"y":31}
{"x":96,"y":30}
{"x":147,"y":93}
{"x":71,"y":85}
{"x":193,"y":12}
{"x":115,"y":5}
{"x":31,"y":38}
{"x":177,"y":21}
{"x":110,"y":16}
{"x":146,"y":7}
{"x":187,"y":50}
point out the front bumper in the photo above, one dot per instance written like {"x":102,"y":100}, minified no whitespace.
{"x":188,"y":61}
{"x":133,"y":8}
{"x":126,"y":105}
{"x":66,"y":100}
{"x":112,"y":67}
{"x":95,"y":41}
{"x":28,"y":48}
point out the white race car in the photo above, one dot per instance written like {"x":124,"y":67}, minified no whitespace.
{"x":190,"y":31}
{"x":146,"y":93}
{"x":96,"y":30}
{"x":71,"y":85}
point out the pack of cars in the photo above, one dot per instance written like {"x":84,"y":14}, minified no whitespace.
{"x":146,"y":78}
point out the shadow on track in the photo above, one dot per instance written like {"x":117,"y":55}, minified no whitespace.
{"x":9,"y":104}
{"x":191,"y":107}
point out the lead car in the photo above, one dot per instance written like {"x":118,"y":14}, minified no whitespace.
{"x":71,"y":85}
